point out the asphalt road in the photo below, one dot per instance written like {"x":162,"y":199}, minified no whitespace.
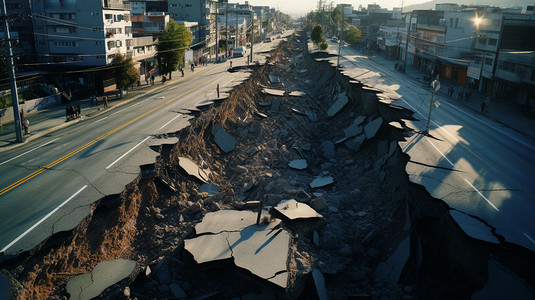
{"x":48,"y":184}
{"x":491,"y":167}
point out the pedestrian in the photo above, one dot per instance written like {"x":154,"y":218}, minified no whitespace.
{"x":217,"y":90}
{"x":152,"y":80}
{"x":450,"y":91}
{"x":192,"y":68}
{"x":182,"y":71}
{"x":460,"y":97}
{"x":106,"y":100}
{"x":78,"y":110}
{"x":26,"y":126}
{"x":67,"y":116}
{"x":231,"y":64}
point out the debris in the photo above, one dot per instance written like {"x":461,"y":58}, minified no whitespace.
{"x":296,"y":210}
{"x":371,"y":128}
{"x":275,"y":104}
{"x":273,"y":92}
{"x":240,"y":169}
{"x":319,"y":282}
{"x":341,"y":140}
{"x":473,"y":227}
{"x":311,"y":115}
{"x":298,"y":164}
{"x":264,"y":104}
{"x":390,"y":270}
{"x":261,"y":114}
{"x":297,"y":111}
{"x":177,"y":291}
{"x":327,"y":148}
{"x":297,"y":94}
{"x":316,"y":239}
{"x":396,"y":125}
{"x":209,"y":188}
{"x":224,"y":141}
{"x":193,"y":170}
{"x":338,"y":104}
{"x":204,"y":104}
{"x":104,"y":275}
{"x":321,"y":181}
{"x":352,"y":130}
{"x":225,"y":220}
{"x":355,"y":143}
{"x":301,"y":71}
{"x":274,"y":79}
{"x":318,"y":203}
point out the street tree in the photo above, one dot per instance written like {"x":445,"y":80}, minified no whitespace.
{"x":317,"y":35}
{"x":124,"y":72}
{"x":353,"y":35}
{"x":171,"y":47}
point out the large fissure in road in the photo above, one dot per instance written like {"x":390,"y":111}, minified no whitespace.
{"x":379,"y":234}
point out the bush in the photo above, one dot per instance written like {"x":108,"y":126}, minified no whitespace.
{"x":324,"y":45}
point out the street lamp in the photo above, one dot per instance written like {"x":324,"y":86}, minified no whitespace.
{"x":478,"y":20}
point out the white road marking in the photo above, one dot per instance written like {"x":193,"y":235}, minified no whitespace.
{"x":99,"y":120}
{"x":43,"y":219}
{"x":529,"y":238}
{"x":127,"y":152}
{"x":136,"y":104}
{"x":28,"y":151}
{"x":436,"y":148}
{"x":118,"y":111}
{"x":170,"y":121}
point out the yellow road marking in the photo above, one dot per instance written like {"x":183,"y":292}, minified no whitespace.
{"x":61,"y":159}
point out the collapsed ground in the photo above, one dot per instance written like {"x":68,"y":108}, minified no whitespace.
{"x":370,"y":208}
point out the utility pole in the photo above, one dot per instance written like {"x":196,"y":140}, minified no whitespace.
{"x":340,"y":45}
{"x":236,"y":35}
{"x":216,"y":32}
{"x":407,"y":43}
{"x":436,"y":86}
{"x":226,"y":29}
{"x":252,"y":36}
{"x":11,"y":70}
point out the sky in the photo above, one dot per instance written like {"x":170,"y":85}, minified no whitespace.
{"x":301,"y":7}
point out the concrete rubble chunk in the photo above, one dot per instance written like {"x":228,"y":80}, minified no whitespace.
{"x":297,"y":94}
{"x":104,"y":275}
{"x":392,"y":148}
{"x":296,"y":210}
{"x":264,"y":104}
{"x":355,"y":143}
{"x":209,"y":188}
{"x":316,"y":238}
{"x":473,"y":227}
{"x":193,"y":170}
{"x":273,"y":92}
{"x":371,"y":128}
{"x":353,"y":130}
{"x":261,"y":249}
{"x":321,"y":181}
{"x":275,"y":104}
{"x":301,"y":71}
{"x":298,"y":164}
{"x":327,"y":148}
{"x":338,"y":104}
{"x":390,"y":270}
{"x":297,"y":111}
{"x":318,"y":203}
{"x":274,"y":79}
{"x":224,"y":141}
{"x":311,"y":115}
{"x":396,"y":125}
{"x":319,"y":282}
{"x":204,"y":104}
{"x":262,"y":115}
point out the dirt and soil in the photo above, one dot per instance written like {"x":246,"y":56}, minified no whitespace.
{"x":365,"y":217}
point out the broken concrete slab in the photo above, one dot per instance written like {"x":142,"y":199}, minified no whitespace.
{"x":390,"y":270}
{"x":393,"y":146}
{"x":224,"y":141}
{"x":338,"y":104}
{"x":193,"y":170}
{"x":296,"y":210}
{"x":104,"y":275}
{"x":321,"y":181}
{"x":162,"y":141}
{"x":274,"y":79}
{"x":281,"y":279}
{"x":396,"y":125}
{"x":354,"y":144}
{"x":353,"y":130}
{"x":474,"y":227}
{"x":204,"y":104}
{"x":297,"y":94}
{"x":273,"y":92}
{"x":319,"y":282}
{"x":275,"y":104}
{"x":327,"y":148}
{"x":209,"y":247}
{"x":209,"y":188}
{"x":177,"y":291}
{"x":371,"y":128}
{"x":298,"y":164}
{"x":225,"y":220}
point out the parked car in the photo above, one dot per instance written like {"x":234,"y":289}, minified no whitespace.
{"x":334,"y":39}
{"x":238,"y":52}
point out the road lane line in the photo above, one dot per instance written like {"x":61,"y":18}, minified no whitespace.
{"x":61,"y":159}
{"x":43,"y":219}
{"x":99,"y":120}
{"x":118,"y":111}
{"x":529,"y":238}
{"x":28,"y":151}
{"x":449,"y":161}
{"x":127,"y":152}
{"x":170,"y":121}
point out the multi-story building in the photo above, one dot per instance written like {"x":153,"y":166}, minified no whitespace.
{"x":81,"y":33}
{"x":20,"y":19}
{"x":149,"y":23}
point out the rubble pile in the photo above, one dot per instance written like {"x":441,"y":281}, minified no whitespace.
{"x":292,"y":187}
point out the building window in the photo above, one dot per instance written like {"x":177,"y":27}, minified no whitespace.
{"x":118,"y":44}
{"x":111,"y":44}
{"x":188,"y":5}
{"x":488,"y":61}
{"x":70,"y":44}
{"x":98,"y":43}
{"x":456,"y":22}
{"x":108,"y":16}
{"x":493,"y":42}
{"x":173,"y":5}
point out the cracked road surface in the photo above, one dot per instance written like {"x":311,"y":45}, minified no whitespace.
{"x":472,"y":163}
{"x":48,"y":185}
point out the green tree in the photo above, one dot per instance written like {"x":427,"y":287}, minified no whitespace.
{"x":171,"y":47}
{"x":124,"y":72}
{"x":353,"y":35}
{"x":317,"y":35}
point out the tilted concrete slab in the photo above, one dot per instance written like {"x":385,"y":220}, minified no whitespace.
{"x":297,"y":94}
{"x":321,"y":181}
{"x":473,"y":227}
{"x":319,"y":282}
{"x":353,"y":130}
{"x":226,"y":220}
{"x":104,"y":275}
{"x":340,"y":102}
{"x":298,"y":164}
{"x":162,"y":141}
{"x":273,"y":92}
{"x":192,"y":169}
{"x":372,"y":127}
{"x":296,"y":210}
{"x":275,"y":105}
{"x":209,"y":247}
{"x":224,"y":140}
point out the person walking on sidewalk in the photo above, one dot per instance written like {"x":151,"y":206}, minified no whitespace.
{"x":485,"y":104}
{"x":460,"y":96}
{"x":26,"y":126}
{"x":105,"y":101}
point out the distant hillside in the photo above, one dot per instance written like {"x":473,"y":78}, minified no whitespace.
{"x":498,"y":3}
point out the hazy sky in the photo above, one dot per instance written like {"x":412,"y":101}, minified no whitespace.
{"x":301,"y":7}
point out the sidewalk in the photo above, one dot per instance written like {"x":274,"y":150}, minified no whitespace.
{"x":500,"y":111}
{"x":52,"y":119}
